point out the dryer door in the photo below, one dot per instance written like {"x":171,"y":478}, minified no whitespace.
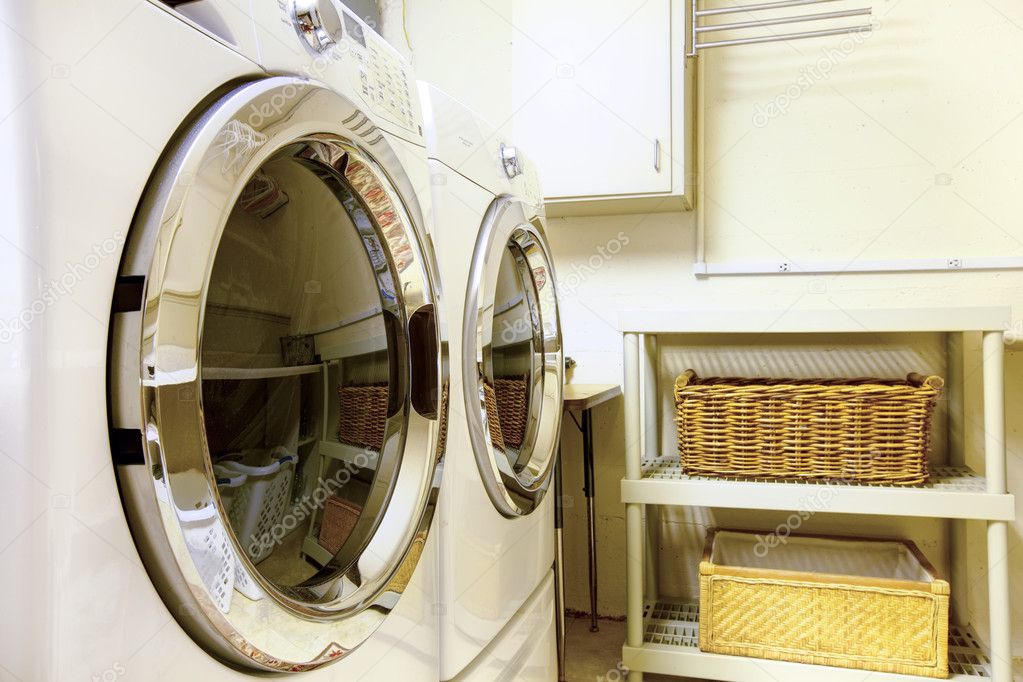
{"x":513,"y":366}
{"x":288,"y":377}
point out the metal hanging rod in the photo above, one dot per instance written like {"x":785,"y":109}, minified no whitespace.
{"x":758,"y":7}
{"x":865,"y":11}
{"x":697,"y":29}
{"x":786,"y":36}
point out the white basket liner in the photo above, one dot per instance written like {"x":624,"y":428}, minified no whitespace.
{"x":866,"y":558}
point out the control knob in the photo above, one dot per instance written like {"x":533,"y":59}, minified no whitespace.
{"x":317,"y":22}
{"x":510,"y":159}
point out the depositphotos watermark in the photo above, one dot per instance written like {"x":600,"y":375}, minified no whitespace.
{"x":74,"y":273}
{"x":114,"y":672}
{"x":311,"y":503}
{"x":569,"y":282}
{"x":238,"y":140}
{"x":616,"y":674}
{"x":813,"y":74}
{"x":579,"y":272}
{"x":314,"y":70}
{"x":810,"y":506}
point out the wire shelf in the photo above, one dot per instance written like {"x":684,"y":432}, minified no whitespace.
{"x":677,"y":624}
{"x":942,"y":478}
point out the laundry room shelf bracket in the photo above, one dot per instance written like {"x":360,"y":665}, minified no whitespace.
{"x":662,"y":635}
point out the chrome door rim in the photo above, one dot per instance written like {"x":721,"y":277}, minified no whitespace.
{"x":187,"y":212}
{"x":509,"y":219}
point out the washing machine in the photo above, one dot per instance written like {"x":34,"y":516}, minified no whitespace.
{"x":224,"y":371}
{"x":496,"y":503}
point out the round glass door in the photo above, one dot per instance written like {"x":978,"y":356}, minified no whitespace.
{"x":292,"y":376}
{"x":303,"y":379}
{"x":513,"y":364}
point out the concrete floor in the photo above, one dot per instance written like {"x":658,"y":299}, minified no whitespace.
{"x":597,"y":656}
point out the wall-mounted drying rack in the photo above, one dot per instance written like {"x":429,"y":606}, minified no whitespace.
{"x":701,"y":29}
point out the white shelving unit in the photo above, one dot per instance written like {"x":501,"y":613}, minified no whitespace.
{"x":662,"y":635}
{"x":325,"y":449}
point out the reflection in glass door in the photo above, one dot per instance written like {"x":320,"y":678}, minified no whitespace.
{"x":303,"y":368}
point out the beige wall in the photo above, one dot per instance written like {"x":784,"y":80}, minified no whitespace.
{"x":910,"y":147}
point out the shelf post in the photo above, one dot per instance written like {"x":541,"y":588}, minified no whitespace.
{"x":634,"y":533}
{"x":998,"y":600}
{"x":651,"y":408}
{"x":955,"y":399}
{"x":955,"y":415}
{"x":997,"y":531}
{"x":994,"y":412}
{"x":651,"y":397}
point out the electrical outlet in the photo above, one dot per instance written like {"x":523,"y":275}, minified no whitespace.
{"x":955,"y":263}
{"x":784,"y":267}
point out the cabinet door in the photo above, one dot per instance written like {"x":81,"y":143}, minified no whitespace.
{"x":592,"y":94}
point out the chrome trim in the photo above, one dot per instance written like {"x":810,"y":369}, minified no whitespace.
{"x":186,"y":207}
{"x":510,"y":161}
{"x":512,"y":223}
{"x":317,"y":22}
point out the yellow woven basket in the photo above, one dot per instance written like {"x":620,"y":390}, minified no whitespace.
{"x":868,"y":604}
{"x":864,"y":430}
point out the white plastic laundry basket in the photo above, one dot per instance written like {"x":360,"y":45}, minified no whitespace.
{"x":212,"y":546}
{"x":228,"y":483}
{"x":259,"y":503}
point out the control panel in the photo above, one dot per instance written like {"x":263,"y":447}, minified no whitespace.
{"x":347,"y":49}
{"x":384,"y":78}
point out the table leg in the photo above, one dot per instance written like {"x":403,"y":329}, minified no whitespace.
{"x":559,"y":569}
{"x":588,"y":491}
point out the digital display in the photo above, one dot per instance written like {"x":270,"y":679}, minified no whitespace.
{"x":354,"y":29}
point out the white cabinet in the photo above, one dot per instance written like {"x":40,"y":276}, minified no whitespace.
{"x":599,"y":99}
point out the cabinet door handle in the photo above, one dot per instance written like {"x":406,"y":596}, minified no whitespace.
{"x":657,"y":155}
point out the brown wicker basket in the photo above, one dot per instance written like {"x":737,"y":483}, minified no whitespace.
{"x":866,"y":604}
{"x":363,"y":415}
{"x":510,"y":393}
{"x":493,"y":421}
{"x":442,"y":417}
{"x":864,"y":430}
{"x":339,"y":519}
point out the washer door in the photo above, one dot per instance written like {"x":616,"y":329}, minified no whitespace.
{"x":513,"y":367}
{"x":291,"y":371}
